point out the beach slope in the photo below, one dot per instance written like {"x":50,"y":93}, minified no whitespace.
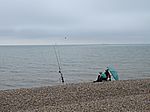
{"x":113,"y":96}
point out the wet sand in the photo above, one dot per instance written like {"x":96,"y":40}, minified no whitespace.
{"x":113,"y":96}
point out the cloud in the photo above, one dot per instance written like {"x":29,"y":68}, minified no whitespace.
{"x":82,"y":20}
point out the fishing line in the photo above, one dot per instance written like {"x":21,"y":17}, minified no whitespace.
{"x":59,"y":58}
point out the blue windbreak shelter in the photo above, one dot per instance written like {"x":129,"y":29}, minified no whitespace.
{"x":113,"y":72}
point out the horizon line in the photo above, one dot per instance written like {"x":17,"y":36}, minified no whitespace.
{"x":75,"y":44}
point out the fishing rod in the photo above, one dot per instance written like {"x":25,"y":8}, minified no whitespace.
{"x":58,"y":62}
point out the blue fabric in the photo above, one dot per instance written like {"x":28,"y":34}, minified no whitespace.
{"x":114,"y":73}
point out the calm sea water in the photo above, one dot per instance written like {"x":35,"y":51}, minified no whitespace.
{"x":34,"y":66}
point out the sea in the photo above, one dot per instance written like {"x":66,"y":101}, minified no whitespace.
{"x":27,"y":66}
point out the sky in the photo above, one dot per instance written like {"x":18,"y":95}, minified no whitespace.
{"x":44,"y":22}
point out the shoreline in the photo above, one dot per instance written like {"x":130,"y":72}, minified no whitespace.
{"x":123,"y":95}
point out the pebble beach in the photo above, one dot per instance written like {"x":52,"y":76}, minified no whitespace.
{"x":112,"y":96}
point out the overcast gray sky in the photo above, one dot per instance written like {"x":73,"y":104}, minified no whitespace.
{"x":81,"y":21}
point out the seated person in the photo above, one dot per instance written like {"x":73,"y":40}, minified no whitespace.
{"x":101,"y":76}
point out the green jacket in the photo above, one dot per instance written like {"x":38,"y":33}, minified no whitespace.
{"x":103,"y":75}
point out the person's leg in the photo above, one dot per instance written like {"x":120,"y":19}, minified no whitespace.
{"x":105,"y":79}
